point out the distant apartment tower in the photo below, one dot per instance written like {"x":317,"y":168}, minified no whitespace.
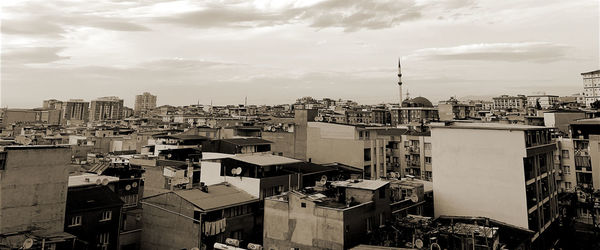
{"x":52,"y":104}
{"x":500,"y":171}
{"x":591,"y":87}
{"x":144,"y":102}
{"x":76,"y":109}
{"x":106,"y":108}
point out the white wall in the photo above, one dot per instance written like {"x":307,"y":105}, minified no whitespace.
{"x":211,"y":174}
{"x":479,"y":172}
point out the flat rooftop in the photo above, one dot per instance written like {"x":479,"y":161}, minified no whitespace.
{"x":361,"y":184}
{"x":265,"y":159}
{"x":592,"y":121}
{"x":89,"y":179}
{"x":486,"y":126}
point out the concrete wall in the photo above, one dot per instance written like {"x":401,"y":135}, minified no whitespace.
{"x":594,"y":147}
{"x":164,"y":230}
{"x":283,"y":142}
{"x":288,"y":225}
{"x":33,"y":189}
{"x":327,"y":142}
{"x":479,"y":172}
{"x":561,"y":120}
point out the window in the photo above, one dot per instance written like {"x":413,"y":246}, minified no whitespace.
{"x":2,"y":160}
{"x":367,"y":154}
{"x":303,"y":204}
{"x":427,"y":160}
{"x":130,"y":200}
{"x":106,"y":216}
{"x":369,"y":225}
{"x":568,"y":185}
{"x":103,"y":240}
{"x":75,"y":221}
{"x":196,"y":217}
{"x":566,"y":169}
{"x":427,"y":146}
{"x":565,"y":154}
{"x":382,"y":193}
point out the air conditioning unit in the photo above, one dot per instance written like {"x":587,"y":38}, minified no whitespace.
{"x":253,"y":246}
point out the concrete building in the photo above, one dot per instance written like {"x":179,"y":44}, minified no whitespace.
{"x":339,"y":217}
{"x":198,"y":218}
{"x":93,"y":211}
{"x":452,"y":109}
{"x":545,"y":101}
{"x":76,"y":109}
{"x":352,"y":145}
{"x":500,"y":171}
{"x":591,"y":87}
{"x":585,"y":135}
{"x":33,"y":188}
{"x":52,"y":104}
{"x":414,"y":111}
{"x":510,"y":103}
{"x":106,"y":108}
{"x":561,"y":119}
{"x":144,"y":102}
{"x":416,"y":157}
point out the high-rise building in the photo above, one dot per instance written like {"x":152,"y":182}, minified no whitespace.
{"x":144,"y":102}
{"x":76,"y":109}
{"x":501,"y":171}
{"x":591,"y":87}
{"x":53,"y":104}
{"x":106,"y":108}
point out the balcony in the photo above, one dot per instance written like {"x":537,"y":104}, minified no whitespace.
{"x":412,"y":149}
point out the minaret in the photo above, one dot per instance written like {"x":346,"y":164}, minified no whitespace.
{"x":400,"y":80}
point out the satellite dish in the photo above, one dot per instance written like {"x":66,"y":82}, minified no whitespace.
{"x":419,"y":243}
{"x":169,"y":155}
{"x":324,"y":178}
{"x":234,"y":171}
{"x":435,"y":246}
{"x":128,"y":187}
{"x":414,"y":198}
{"x":28,"y":243}
{"x":98,"y":181}
{"x":105,"y":181}
{"x":134,"y":184}
{"x":238,"y":170}
{"x":195,"y":248}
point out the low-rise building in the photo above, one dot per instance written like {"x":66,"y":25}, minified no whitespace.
{"x":338,"y":217}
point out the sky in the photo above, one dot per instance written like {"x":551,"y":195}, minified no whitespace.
{"x":272,"y":52}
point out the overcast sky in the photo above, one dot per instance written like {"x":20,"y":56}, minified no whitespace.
{"x":276,"y":51}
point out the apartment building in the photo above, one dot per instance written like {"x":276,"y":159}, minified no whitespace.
{"x":591,"y":87}
{"x":510,"y":103}
{"x":544,"y":101}
{"x":144,"y":102}
{"x":416,"y":159}
{"x":339,"y":215}
{"x":106,"y":108}
{"x":500,"y":171}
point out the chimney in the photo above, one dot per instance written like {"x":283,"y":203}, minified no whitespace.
{"x":190,"y":173}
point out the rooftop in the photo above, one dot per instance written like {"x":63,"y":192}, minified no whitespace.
{"x":591,"y":72}
{"x":218,"y":196}
{"x":361,"y":184}
{"x":247,"y":141}
{"x":487,"y":126}
{"x":90,"y":179}
{"x":592,"y":121}
{"x":264,"y":159}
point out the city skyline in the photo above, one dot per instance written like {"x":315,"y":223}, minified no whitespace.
{"x":274,"y":52}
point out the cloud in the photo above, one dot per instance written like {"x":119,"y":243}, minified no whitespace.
{"x":53,"y":19}
{"x":348,"y":15}
{"x":32,"y":55}
{"x":541,"y":52}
